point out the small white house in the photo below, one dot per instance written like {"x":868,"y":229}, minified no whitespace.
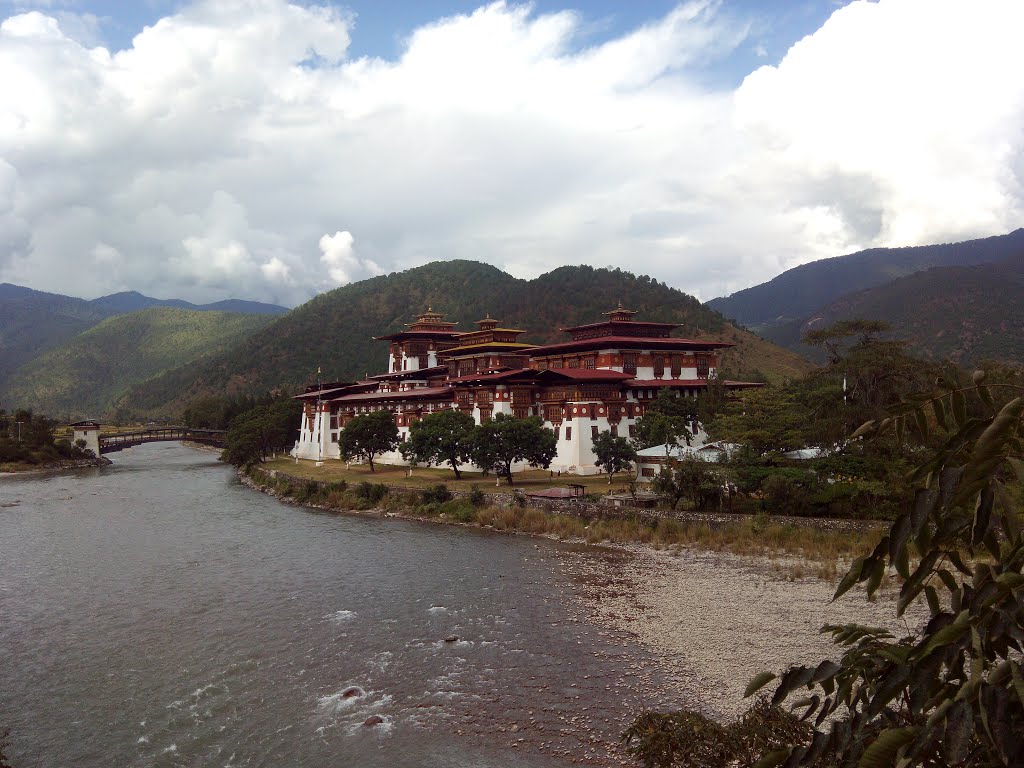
{"x":651,"y":460}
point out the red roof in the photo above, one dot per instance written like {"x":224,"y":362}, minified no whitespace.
{"x":621,"y":324}
{"x":408,"y":394}
{"x":636,"y":342}
{"x":418,"y":334}
{"x":672,"y":383}
{"x":587,"y":374}
{"x":320,"y":393}
{"x":422,"y":372}
{"x":500,"y":376}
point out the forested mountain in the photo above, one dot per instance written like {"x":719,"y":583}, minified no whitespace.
{"x":334,"y":331}
{"x":803,"y":290}
{"x":87,"y":375}
{"x":32,"y":322}
{"x":963,"y":314}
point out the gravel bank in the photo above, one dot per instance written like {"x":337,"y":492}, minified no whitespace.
{"x":716,"y":620}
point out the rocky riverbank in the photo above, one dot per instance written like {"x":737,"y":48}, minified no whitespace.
{"x":716,"y":619}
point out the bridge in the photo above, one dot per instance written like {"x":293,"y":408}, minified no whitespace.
{"x":121,"y":440}
{"x":89,"y":432}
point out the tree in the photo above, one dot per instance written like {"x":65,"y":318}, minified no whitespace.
{"x":690,"y":478}
{"x":366,"y":436}
{"x":951,"y":693}
{"x":768,"y":419}
{"x":499,"y":443}
{"x":442,"y":437}
{"x":666,"y":421}
{"x":614,"y":454}
{"x":263,"y":429}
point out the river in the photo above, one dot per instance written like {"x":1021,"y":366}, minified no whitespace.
{"x":156,"y":612}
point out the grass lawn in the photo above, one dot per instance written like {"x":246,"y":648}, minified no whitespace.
{"x":423,"y":476}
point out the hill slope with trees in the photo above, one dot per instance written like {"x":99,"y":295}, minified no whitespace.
{"x":32,"y":322}
{"x":801,"y":291}
{"x":961,"y":314}
{"x":334,"y":331}
{"x":86,"y":376}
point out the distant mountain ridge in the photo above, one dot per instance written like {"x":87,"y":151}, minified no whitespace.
{"x":967,"y":307}
{"x":33,"y":322}
{"x":801,"y":291}
{"x":334,"y":331}
{"x":962,"y":314}
{"x":87,"y":375}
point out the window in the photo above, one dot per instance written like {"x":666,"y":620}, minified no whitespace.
{"x":593,"y":432}
{"x":659,"y":367}
{"x":632,"y":430}
{"x":568,"y":433}
{"x":573,"y":362}
{"x":590,"y":362}
{"x":647,"y":472}
{"x":615,"y":430}
{"x":677,"y":367}
{"x":629,"y":364}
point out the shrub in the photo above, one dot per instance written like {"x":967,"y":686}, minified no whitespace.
{"x":519,"y":499}
{"x":371,"y":492}
{"x":435,"y":494}
{"x":477,"y":497}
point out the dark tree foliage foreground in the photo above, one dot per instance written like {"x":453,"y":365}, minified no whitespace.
{"x":366,"y":436}
{"x":952,"y":693}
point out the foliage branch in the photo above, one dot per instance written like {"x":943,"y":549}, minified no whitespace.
{"x":952,"y":693}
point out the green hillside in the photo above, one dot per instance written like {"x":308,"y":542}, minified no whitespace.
{"x":800,"y":291}
{"x":334,"y":331}
{"x":963,"y":314}
{"x":31,"y":322}
{"x":87,"y":375}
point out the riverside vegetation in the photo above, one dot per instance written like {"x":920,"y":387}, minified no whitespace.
{"x":950,"y":693}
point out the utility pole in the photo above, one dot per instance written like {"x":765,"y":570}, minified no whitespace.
{"x":19,"y":423}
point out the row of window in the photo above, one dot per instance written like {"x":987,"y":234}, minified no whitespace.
{"x":594,"y":432}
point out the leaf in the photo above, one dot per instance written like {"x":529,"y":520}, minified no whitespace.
{"x":940,"y":415}
{"x":898,"y":535}
{"x":948,"y":579}
{"x":882,"y":752}
{"x":959,"y":403}
{"x":933,"y":600}
{"x":922,"y":422}
{"x":875,"y":579}
{"x":759,"y":682}
{"x":959,"y":725}
{"x":982,"y":515}
{"x":852,"y":577}
{"x":867,"y":428}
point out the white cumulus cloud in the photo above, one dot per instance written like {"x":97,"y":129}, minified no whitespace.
{"x":210,"y":158}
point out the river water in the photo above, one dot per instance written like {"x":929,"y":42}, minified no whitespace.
{"x":156,"y":612}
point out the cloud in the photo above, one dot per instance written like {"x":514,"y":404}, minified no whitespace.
{"x":343,"y":266}
{"x":210,"y":158}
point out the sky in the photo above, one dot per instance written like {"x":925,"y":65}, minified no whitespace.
{"x":272,"y":150}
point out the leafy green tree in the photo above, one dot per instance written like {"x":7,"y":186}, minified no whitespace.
{"x":952,"y":693}
{"x":767,"y":420}
{"x":442,"y":437}
{"x":366,"y":436}
{"x":504,"y":440}
{"x":666,"y":421}
{"x":688,"y":478}
{"x":263,"y":429}
{"x":613,"y":454}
